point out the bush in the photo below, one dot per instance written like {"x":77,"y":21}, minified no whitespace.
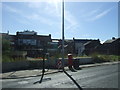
{"x":6,"y":58}
{"x":7,"y":52}
{"x":105,"y":58}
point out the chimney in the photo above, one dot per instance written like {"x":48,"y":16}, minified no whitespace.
{"x":49,"y":35}
{"x":17,"y":33}
{"x":8,"y":32}
{"x":113,"y":38}
{"x":73,"y":38}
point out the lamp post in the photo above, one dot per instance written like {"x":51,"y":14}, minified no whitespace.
{"x":63,"y":34}
{"x":63,"y":62}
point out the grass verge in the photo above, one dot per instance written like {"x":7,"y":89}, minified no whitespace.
{"x":6,"y":58}
{"x":105,"y":58}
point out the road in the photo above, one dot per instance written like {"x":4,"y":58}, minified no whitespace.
{"x":105,"y":76}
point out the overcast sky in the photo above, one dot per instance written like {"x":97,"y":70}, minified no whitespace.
{"x":88,"y":20}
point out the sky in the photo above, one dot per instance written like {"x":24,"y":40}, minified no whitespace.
{"x":83,"y":20}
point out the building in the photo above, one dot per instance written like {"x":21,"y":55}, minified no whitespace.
{"x":68,"y":46}
{"x":79,"y":46}
{"x":35,"y":45}
{"x":28,"y":41}
{"x":110,"y":47}
{"x":90,"y":46}
{"x":32,"y":43}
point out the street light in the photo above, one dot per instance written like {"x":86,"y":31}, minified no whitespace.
{"x":63,"y":49}
{"x":63,"y":34}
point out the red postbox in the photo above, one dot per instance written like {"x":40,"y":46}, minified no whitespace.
{"x":70,"y":60}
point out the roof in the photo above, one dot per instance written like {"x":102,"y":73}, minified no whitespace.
{"x":87,"y":42}
{"x":27,"y":32}
{"x":111,"y":40}
{"x":83,"y":40}
{"x":68,"y":41}
{"x":3,"y":34}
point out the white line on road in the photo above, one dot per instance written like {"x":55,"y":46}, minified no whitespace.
{"x":23,"y":82}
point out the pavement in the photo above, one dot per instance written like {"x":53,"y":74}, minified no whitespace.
{"x":38,"y":72}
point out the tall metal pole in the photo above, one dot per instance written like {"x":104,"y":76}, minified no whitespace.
{"x":63,"y":34}
{"x":63,"y":49}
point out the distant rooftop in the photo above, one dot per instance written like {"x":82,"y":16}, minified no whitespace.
{"x":111,"y":40}
{"x":27,"y":32}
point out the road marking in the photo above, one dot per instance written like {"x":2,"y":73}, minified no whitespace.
{"x":28,"y":78}
{"x":23,"y":82}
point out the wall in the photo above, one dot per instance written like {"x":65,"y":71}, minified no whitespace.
{"x":12,"y":66}
{"x":21,"y":65}
{"x":85,"y":60}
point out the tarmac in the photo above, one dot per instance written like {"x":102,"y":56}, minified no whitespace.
{"x":38,"y":72}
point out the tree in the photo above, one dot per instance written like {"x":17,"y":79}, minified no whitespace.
{"x":6,"y":48}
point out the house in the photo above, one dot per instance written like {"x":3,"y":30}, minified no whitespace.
{"x":68,"y":46}
{"x":85,"y":46}
{"x":111,"y":47}
{"x":4,"y":35}
{"x":31,"y":42}
{"x":28,"y":41}
{"x":79,"y":45}
{"x":90,"y":46}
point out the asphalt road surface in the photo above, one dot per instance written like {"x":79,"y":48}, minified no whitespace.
{"x":105,"y":76}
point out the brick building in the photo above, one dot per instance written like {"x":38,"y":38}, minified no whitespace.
{"x":31,"y":42}
{"x":110,"y":47}
{"x":83,"y":46}
{"x":90,"y":46}
{"x":28,"y":41}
